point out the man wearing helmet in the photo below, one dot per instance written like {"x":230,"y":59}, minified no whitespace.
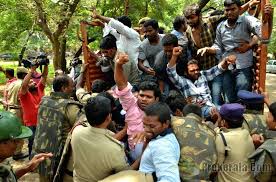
{"x":11,"y":134}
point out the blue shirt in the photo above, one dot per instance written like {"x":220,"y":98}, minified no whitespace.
{"x":228,"y":38}
{"x":198,"y":90}
{"x":161,"y":156}
{"x":182,"y":38}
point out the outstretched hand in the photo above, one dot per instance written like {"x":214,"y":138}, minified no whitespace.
{"x":37,"y":159}
{"x":202,"y":51}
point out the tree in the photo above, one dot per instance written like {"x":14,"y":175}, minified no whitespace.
{"x":61,"y":12}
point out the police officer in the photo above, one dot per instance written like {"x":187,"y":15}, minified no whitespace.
{"x":57,"y":114}
{"x":265,"y":155}
{"x":11,"y":133}
{"x":254,"y":120}
{"x":234,"y":145}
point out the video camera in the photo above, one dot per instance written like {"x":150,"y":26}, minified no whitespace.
{"x":40,"y":60}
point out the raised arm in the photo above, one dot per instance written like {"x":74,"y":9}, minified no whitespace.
{"x":27,"y":78}
{"x":44,"y":75}
{"x":96,"y":15}
{"x":178,"y":81}
{"x":250,"y":3}
{"x":80,"y":77}
{"x":119,"y":77}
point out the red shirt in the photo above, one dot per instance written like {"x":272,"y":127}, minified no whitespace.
{"x":30,"y":103}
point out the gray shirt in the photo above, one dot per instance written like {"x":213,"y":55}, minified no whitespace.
{"x":228,"y":38}
{"x":148,"y":52}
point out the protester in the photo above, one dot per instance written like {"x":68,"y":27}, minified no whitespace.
{"x":195,"y":82}
{"x":180,"y":27}
{"x":150,"y":47}
{"x":134,"y":107}
{"x":128,"y":39}
{"x":162,"y":153}
{"x":169,"y":42}
{"x":234,"y":37}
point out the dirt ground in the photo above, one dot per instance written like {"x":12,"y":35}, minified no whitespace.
{"x":33,"y":177}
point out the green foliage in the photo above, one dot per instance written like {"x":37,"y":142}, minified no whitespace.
{"x":18,"y":17}
{"x":272,"y":44}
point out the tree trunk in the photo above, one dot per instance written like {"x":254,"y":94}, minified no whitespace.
{"x":56,"y":54}
{"x":63,"y":53}
{"x":146,"y":8}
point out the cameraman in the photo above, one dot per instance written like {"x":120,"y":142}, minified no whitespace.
{"x":30,"y":96}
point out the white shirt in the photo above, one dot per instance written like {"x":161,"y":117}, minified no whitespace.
{"x":128,"y":40}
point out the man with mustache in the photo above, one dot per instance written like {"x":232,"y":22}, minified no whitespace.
{"x":194,"y":84}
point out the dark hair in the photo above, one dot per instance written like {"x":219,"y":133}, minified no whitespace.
{"x":161,"y":30}
{"x":192,"y":108}
{"x":21,"y":75}
{"x":159,"y":109}
{"x":152,"y":23}
{"x":230,"y":2}
{"x":192,"y":9}
{"x":10,"y":72}
{"x":61,"y":81}
{"x":234,"y":124}
{"x":178,"y":22}
{"x":272,"y":109}
{"x":99,"y":86}
{"x":125,"y":20}
{"x":175,"y":101}
{"x":147,"y":85}
{"x":97,"y":109}
{"x":108,"y":96}
{"x":191,"y":61}
{"x":108,"y":42}
{"x":170,"y":39}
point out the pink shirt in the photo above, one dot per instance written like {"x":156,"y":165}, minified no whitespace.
{"x":134,"y":115}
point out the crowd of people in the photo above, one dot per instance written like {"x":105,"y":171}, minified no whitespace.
{"x":171,"y":107}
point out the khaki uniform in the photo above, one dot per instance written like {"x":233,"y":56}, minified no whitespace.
{"x":198,"y":150}
{"x":13,"y":104}
{"x":6,"y":172}
{"x":83,"y":95}
{"x":96,"y":154}
{"x":236,"y":166}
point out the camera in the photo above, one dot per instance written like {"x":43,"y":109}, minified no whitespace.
{"x":40,"y":60}
{"x":76,"y":61}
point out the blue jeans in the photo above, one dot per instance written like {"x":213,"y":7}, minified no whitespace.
{"x":234,"y":81}
{"x":216,"y":86}
{"x":31,"y":140}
